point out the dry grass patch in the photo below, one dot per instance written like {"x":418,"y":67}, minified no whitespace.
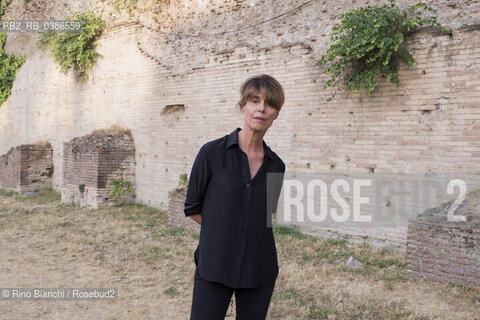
{"x":314,"y":283}
{"x":46,"y":243}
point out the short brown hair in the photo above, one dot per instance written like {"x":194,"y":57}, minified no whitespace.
{"x":275,"y":96}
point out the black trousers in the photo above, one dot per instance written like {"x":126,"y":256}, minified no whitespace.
{"x":210,"y":300}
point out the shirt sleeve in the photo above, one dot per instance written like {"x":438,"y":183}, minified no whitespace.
{"x":197,"y":183}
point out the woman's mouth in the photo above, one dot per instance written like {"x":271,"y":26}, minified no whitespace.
{"x":259,"y":119}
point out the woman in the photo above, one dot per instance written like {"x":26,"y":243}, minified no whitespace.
{"x":229,"y":197}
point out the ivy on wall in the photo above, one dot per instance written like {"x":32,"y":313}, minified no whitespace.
{"x":76,"y":49}
{"x":368,"y":43}
{"x":3,"y":5}
{"x":9,"y":64}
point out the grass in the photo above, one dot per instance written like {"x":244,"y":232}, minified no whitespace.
{"x":337,"y":251}
{"x":171,"y":292}
{"x":380,"y":265}
{"x":136,"y":246}
{"x":45,"y":196}
{"x":176,"y":231}
{"x":285,"y":231}
{"x":7,"y":193}
{"x":153,"y":253}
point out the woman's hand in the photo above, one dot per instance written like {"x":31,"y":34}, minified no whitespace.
{"x":197,"y":218}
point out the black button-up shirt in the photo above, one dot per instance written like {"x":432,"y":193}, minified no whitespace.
{"x":236,"y":246}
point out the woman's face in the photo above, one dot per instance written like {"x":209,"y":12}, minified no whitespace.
{"x":258,"y":115}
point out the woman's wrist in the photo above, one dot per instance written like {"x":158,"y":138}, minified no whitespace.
{"x":197,"y":218}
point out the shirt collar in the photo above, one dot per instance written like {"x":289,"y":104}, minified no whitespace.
{"x":232,"y":139}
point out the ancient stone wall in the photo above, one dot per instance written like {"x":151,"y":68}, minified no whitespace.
{"x":91,"y":161}
{"x":446,"y":250}
{"x":177,"y":92}
{"x":176,"y":216}
{"x":27,"y":168}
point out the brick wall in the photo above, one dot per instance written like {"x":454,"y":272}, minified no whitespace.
{"x":176,"y":216}
{"x":429,"y":124}
{"x":443,"y":250}
{"x":27,"y":168}
{"x":91,"y":161}
{"x":10,"y":170}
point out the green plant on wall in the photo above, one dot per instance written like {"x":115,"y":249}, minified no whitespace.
{"x":75,"y":49}
{"x":117,"y":185}
{"x":182,"y":180}
{"x":368,"y":42}
{"x":9,"y":64}
{"x":50,"y":170}
{"x":3,"y":5}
